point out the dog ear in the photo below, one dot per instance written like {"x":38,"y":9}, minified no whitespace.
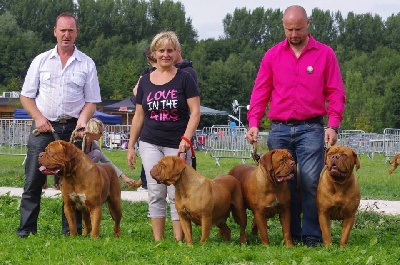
{"x":178,"y":166}
{"x":266,"y":160}
{"x":357,"y":161}
{"x":70,"y":150}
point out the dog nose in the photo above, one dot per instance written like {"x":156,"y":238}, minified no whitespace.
{"x":335,"y":156}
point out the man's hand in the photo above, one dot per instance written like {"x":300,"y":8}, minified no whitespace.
{"x":252,"y":134}
{"x":330,"y":136}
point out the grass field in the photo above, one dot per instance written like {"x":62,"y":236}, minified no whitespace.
{"x":374,"y":238}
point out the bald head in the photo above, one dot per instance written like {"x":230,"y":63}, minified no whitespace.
{"x":295,"y":12}
{"x":295,"y":23}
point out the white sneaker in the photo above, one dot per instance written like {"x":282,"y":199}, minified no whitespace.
{"x":141,"y":189}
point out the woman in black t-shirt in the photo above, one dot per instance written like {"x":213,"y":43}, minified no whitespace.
{"x":167,"y":108}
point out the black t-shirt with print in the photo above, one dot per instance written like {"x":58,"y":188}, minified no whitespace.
{"x":165,"y":108}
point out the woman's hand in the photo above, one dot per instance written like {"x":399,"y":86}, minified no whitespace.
{"x":131,"y":158}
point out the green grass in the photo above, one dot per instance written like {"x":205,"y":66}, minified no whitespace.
{"x":374,"y":238}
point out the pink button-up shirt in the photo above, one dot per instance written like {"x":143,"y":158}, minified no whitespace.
{"x":298,"y":88}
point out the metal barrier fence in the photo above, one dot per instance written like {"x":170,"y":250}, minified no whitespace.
{"x":223,"y":141}
{"x":14,"y":136}
{"x":370,"y":143}
{"x":116,"y":136}
{"x":391,"y":142}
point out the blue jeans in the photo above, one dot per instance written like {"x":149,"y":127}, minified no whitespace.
{"x":306,"y":143}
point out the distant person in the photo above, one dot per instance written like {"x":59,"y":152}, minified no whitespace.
{"x":60,"y":92}
{"x":186,"y":65}
{"x":167,"y":114}
{"x":232,"y":127}
{"x":299,"y":79}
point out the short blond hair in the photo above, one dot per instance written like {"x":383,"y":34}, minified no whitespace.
{"x":163,"y":37}
{"x":95,"y":125}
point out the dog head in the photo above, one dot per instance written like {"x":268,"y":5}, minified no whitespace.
{"x":168,"y":169}
{"x":279,"y":164}
{"x":340,"y":162}
{"x":57,"y":156}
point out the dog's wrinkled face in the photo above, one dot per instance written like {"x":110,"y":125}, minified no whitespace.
{"x":168,"y":170}
{"x":54,"y":157}
{"x":280,"y":164}
{"x":340,"y":162}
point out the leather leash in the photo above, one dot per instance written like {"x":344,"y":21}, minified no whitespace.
{"x":254,"y":154}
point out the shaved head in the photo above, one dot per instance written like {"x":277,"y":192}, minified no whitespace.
{"x":295,"y":12}
{"x":295,"y":23}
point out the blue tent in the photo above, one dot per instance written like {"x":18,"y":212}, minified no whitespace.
{"x":108,"y":118}
{"x":104,"y":117}
{"x":21,"y":114}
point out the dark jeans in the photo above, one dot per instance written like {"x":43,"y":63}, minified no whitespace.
{"x":34,"y":179}
{"x":306,"y":143}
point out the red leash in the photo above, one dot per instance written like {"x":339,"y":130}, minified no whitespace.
{"x":192,"y":151}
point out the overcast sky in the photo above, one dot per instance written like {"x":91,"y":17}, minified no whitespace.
{"x":207,"y":15}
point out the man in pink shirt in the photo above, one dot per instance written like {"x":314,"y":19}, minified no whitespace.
{"x":300,"y":80}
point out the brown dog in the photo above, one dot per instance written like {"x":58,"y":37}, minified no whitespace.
{"x":338,"y":194}
{"x":201,"y":200}
{"x":85,"y":186}
{"x":394,"y":162}
{"x":266,"y":191}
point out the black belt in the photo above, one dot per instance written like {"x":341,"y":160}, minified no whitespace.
{"x":318,"y":119}
{"x":64,"y":121}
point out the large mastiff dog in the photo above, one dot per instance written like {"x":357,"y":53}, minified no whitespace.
{"x":338,"y":194}
{"x":201,"y":200}
{"x":266,"y":191}
{"x":84,"y":186}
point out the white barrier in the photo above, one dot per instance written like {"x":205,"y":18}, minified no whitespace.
{"x":116,"y":136}
{"x":369,"y":143}
{"x":14,"y":134}
{"x":391,"y":142}
{"x":223,"y":141}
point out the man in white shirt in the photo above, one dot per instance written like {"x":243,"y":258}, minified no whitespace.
{"x":60,"y":92}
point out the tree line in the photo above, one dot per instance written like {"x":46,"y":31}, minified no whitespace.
{"x":115,"y":34}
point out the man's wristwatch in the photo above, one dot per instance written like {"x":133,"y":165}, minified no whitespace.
{"x":336,"y":129}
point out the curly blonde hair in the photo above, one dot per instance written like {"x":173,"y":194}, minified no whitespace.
{"x":95,"y":125}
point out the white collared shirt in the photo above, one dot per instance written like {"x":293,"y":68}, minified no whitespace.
{"x":61,"y":92}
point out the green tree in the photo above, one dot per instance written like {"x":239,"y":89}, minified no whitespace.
{"x":117,"y":84}
{"x":323,"y":27}
{"x":361,"y":32}
{"x":392,"y":32}
{"x":259,"y":27}
{"x":38,"y":15}
{"x":168,"y":15}
{"x":17,"y":48}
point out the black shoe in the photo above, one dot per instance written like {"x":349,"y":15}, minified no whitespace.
{"x":296,"y":240}
{"x":312,"y":242}
{"x":23,"y":233}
